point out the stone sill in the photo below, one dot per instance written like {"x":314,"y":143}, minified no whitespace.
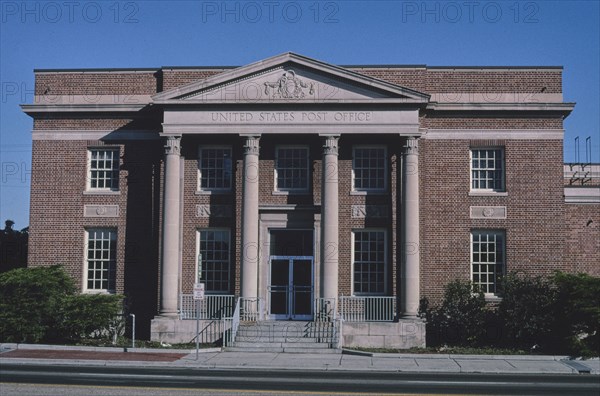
{"x":488,"y":194}
{"x":213,"y":192}
{"x":299,"y":192}
{"x":100,"y":192}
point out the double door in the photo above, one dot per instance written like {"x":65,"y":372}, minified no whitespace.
{"x":291,"y":287}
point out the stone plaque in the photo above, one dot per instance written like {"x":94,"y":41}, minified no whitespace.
{"x":101,"y":211}
{"x":364,"y":211}
{"x":488,"y":212}
{"x":213,"y":210}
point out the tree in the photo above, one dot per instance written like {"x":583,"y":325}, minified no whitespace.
{"x":13,"y":247}
{"x":42,"y":305}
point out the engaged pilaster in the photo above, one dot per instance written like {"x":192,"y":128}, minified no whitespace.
{"x":170,"y":235}
{"x":249,"y":273}
{"x":330,"y":219}
{"x":409,"y":301}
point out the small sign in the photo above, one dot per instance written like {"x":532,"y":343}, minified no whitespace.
{"x":199,"y":291}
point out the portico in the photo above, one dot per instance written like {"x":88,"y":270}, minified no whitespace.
{"x":280,"y":103}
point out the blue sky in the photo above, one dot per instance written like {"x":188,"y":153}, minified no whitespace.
{"x":104,"y":34}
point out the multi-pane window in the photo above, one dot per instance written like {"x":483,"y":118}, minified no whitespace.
{"x":101,"y":259}
{"x":103,"y":172}
{"x":487,"y":260}
{"x":214,"y":168}
{"x":369,"y":168}
{"x":291,"y":169}
{"x":214,"y":259}
{"x":369,"y":262}
{"x":487,"y":169}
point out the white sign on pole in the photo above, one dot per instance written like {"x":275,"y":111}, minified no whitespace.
{"x":199,"y":291}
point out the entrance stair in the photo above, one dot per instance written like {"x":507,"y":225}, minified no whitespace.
{"x":285,"y":336}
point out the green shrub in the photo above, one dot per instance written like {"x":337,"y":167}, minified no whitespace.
{"x":87,"y":316}
{"x":460,"y":320}
{"x":41,"y":305}
{"x":527,"y":311}
{"x":29,"y":301}
{"x":556,"y":315}
{"x":578,"y":310}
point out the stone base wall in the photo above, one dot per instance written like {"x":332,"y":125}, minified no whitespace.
{"x":404,"y":334}
{"x":177,"y":331}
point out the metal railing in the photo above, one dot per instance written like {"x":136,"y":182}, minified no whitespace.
{"x":231,"y":325}
{"x":251,"y":309}
{"x":325,"y":309}
{"x":211,"y":307}
{"x":367,"y":309}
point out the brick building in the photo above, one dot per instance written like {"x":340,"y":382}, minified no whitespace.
{"x":304,"y":188}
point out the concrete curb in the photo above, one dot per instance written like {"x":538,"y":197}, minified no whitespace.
{"x":15,"y":346}
{"x":470,"y":357}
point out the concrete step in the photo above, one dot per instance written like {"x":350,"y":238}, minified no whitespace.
{"x":241,"y":349}
{"x":268,"y":339}
{"x":292,"y":345}
{"x":312,"y":350}
{"x":274,"y":349}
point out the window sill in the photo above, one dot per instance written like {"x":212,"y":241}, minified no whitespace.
{"x":101,"y":192}
{"x":212,"y":192}
{"x":89,"y":291}
{"x":374,"y":192}
{"x":300,"y":192}
{"x":493,"y":298}
{"x":473,"y":193}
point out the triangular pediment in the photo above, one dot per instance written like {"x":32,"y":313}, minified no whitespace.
{"x":289,"y":78}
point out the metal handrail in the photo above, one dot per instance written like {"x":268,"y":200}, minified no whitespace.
{"x":368,"y":308}
{"x":213,"y":306}
{"x":229,"y":332}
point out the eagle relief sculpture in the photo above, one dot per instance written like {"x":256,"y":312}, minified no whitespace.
{"x":288,"y":87}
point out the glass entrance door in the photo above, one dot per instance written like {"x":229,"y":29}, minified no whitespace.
{"x":291,"y":287}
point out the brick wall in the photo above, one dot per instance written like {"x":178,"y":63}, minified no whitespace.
{"x":96,"y":83}
{"x":57,"y":224}
{"x":422,"y":79}
{"x":173,"y":78}
{"x":582,"y":242}
{"x":464,"y":80}
{"x":191,"y":222}
{"x":535,"y":209}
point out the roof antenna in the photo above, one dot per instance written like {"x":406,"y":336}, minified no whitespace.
{"x":588,"y":150}
{"x":577,"y":149}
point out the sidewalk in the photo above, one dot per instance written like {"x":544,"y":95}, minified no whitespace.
{"x":347,"y":361}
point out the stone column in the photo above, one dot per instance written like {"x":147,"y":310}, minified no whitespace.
{"x":170,"y":234}
{"x":250,"y":257}
{"x":409,"y":299}
{"x":330,"y":219}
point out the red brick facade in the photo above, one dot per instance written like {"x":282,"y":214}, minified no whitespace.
{"x":543,"y":233}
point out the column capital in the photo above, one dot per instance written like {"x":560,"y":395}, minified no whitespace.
{"x":251,"y":146}
{"x":331,"y":145}
{"x":411,"y":146}
{"x":173,"y":145}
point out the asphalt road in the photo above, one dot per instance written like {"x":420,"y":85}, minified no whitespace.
{"x":90,"y":380}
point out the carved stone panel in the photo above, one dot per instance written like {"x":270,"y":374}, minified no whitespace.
{"x":101,"y":211}
{"x":488,"y":212}
{"x":364,"y":211}
{"x":213,"y":210}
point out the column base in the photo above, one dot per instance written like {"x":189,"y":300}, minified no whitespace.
{"x":407,"y":315}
